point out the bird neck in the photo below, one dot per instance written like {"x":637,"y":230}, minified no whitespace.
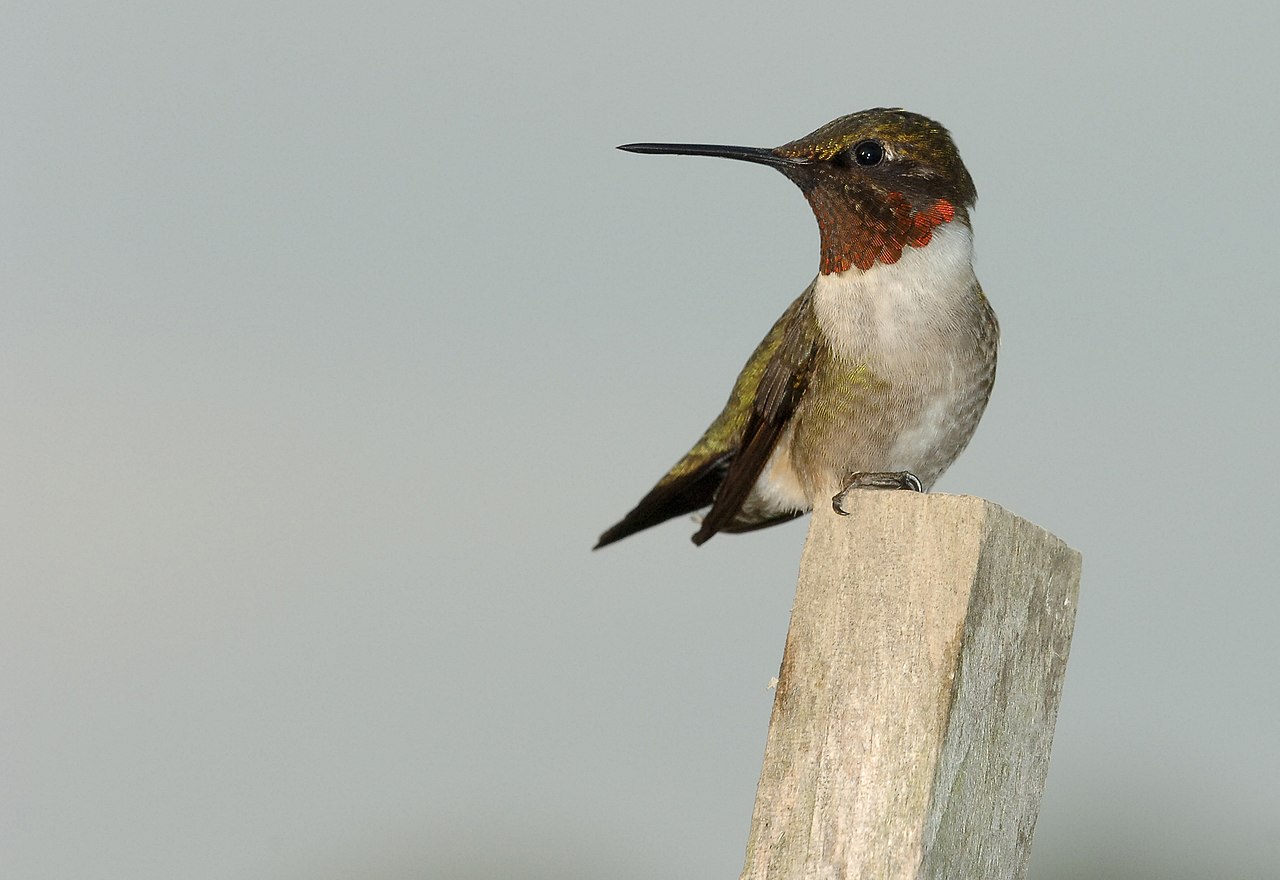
{"x":902,"y":306}
{"x":861,"y":231}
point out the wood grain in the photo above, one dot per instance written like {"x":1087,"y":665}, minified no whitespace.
{"x":919,"y":688}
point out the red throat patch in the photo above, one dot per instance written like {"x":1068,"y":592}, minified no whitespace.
{"x":862,"y":234}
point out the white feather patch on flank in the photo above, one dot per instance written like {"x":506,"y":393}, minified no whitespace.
{"x":778,"y":485}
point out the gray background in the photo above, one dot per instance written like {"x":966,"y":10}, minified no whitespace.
{"x":332,"y":337}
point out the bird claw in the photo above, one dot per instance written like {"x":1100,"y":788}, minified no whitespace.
{"x":876,"y":480}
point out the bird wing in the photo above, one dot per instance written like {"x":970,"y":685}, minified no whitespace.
{"x":760,"y":390}
{"x":781,"y":385}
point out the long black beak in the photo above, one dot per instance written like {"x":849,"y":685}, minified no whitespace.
{"x":760,"y":155}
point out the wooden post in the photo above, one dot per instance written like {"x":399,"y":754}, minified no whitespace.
{"x":919,"y":688}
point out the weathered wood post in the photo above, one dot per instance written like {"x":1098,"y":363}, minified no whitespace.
{"x":917,"y":697}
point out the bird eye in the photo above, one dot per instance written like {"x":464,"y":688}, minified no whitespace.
{"x":868,"y":153}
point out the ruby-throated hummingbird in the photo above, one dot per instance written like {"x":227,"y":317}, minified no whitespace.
{"x":877,"y":375}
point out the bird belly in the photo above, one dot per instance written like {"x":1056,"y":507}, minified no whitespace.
{"x":931,"y":441}
{"x":907,"y":365}
{"x":886,"y":424}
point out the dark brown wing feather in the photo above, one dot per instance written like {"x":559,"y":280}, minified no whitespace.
{"x":781,"y":387}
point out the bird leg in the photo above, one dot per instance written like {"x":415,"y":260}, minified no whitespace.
{"x":877,"y":480}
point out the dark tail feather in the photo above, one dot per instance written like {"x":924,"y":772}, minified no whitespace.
{"x":670,"y":498}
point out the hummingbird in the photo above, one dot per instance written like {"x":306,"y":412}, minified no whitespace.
{"x":877,"y":375}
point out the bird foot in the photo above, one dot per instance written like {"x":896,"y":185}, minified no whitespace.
{"x":877,"y":480}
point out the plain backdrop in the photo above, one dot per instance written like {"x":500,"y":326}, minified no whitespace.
{"x":333,"y":334}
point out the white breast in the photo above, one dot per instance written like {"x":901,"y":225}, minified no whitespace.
{"x":882,"y":316}
{"x":910,"y":324}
